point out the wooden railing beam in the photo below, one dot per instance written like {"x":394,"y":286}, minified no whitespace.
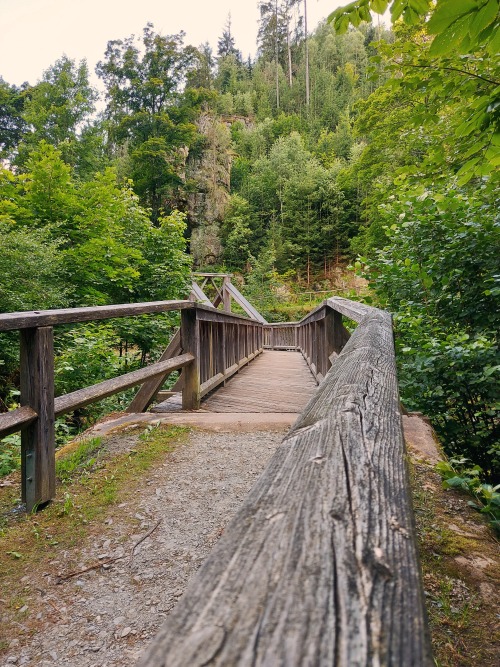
{"x":150,"y":388}
{"x":42,"y":318}
{"x":82,"y":397}
{"x":15,"y":420}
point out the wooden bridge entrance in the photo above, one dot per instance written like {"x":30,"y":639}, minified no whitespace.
{"x":320,"y":566}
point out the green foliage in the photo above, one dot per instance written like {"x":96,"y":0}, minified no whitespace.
{"x":57,"y":110}
{"x":263,"y":283}
{"x":10,"y":454}
{"x":79,"y":461}
{"x":461,"y":474}
{"x":439,"y":274}
{"x":459,"y":26}
{"x":150,"y":112}
{"x":12,"y":124}
{"x":236,"y":232}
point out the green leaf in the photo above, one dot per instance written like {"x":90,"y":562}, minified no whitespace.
{"x":450,"y":38}
{"x":397,"y":9}
{"x":379,"y":6}
{"x":447,"y":12}
{"x":420,"y":6}
{"x":455,"y":483}
{"x":468,"y":166}
{"x":483,"y":18}
{"x":493,"y":46}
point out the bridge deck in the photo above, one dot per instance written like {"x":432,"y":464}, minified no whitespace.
{"x":278,"y":382}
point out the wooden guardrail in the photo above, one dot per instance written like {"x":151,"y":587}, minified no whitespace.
{"x":320,"y":336}
{"x":210,"y":347}
{"x":319,"y":566}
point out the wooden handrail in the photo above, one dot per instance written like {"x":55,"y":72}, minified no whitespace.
{"x":82,"y":397}
{"x":204,"y":368}
{"x":319,"y":336}
{"x":44,"y":318}
{"x":319,"y":566}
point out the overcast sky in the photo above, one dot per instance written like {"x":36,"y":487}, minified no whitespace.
{"x":35,"y":33}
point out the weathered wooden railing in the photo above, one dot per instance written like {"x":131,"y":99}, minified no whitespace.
{"x":210,"y":347}
{"x":320,"y":336}
{"x":319,"y":566}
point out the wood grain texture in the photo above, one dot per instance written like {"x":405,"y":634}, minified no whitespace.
{"x":150,"y":388}
{"x":273,"y":382}
{"x":12,"y":421}
{"x":82,"y":397}
{"x":38,"y":472}
{"x":42,"y":318}
{"x":319,"y":567}
{"x":190,"y":344}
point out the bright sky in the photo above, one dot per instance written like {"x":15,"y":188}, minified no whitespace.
{"x":35,"y":33}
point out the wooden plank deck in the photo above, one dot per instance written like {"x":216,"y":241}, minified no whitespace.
{"x":278,"y":382}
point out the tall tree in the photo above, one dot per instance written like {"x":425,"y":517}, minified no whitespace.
{"x":272,"y":38}
{"x":306,"y":47}
{"x":226,"y":44}
{"x":58,"y":108}
{"x":151,"y":112}
{"x":12,"y":124}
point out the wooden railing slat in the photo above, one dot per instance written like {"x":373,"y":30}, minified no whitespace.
{"x":13,"y":421}
{"x":82,"y":397}
{"x":150,"y":388}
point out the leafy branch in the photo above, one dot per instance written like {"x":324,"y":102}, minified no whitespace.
{"x":459,"y":474}
{"x":453,"y":69}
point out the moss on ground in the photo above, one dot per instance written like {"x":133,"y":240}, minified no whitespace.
{"x":461,"y":597}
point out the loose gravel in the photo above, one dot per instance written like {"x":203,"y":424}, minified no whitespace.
{"x":105,"y":617}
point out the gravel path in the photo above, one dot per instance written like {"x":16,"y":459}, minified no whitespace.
{"x":104,"y":618}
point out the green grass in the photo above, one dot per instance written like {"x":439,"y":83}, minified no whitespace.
{"x":82,"y":459}
{"x":91,"y":482}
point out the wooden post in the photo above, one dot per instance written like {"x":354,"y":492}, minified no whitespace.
{"x":190,"y":342}
{"x":338,"y":337}
{"x":38,"y":466}
{"x":226,"y":296}
{"x":223,"y":357}
{"x":331,"y":327}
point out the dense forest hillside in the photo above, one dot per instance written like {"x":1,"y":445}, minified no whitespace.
{"x":351,"y":145}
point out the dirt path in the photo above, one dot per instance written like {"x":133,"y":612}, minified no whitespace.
{"x":104,"y":617}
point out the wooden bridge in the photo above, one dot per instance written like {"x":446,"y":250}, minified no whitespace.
{"x":319,"y":567}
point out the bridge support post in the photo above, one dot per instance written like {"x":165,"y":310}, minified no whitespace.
{"x":226,"y":296}
{"x":190,"y":342}
{"x":38,"y":465}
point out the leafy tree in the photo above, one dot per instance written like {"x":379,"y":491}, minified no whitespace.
{"x":202,"y":74}
{"x":150,"y":111}
{"x":236,"y":232}
{"x":12,"y":124}
{"x":439,"y":273}
{"x":58,"y":109}
{"x":33,"y":277}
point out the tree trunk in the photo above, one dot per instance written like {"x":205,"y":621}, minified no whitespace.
{"x":307,"y":53}
{"x":277,"y":54}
